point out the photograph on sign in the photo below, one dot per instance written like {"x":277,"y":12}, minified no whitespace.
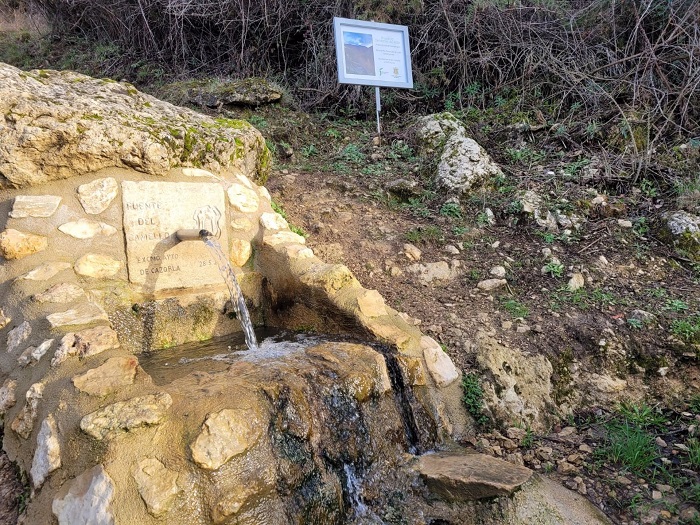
{"x":372,"y":54}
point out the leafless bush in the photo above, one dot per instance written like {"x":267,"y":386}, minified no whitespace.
{"x":632,"y":61}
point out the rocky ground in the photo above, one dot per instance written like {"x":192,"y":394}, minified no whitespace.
{"x":612,"y":307}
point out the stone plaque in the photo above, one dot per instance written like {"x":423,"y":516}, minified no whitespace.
{"x":153,"y":212}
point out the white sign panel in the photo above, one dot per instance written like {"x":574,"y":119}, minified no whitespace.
{"x":372,"y":54}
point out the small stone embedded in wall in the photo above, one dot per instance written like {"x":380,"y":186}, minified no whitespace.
{"x":88,"y":500}
{"x":47,"y":457}
{"x":283,"y":237}
{"x":15,"y":244}
{"x":109,"y":377}
{"x":24,"y":422}
{"x":65,"y":349}
{"x":241,"y":251}
{"x":18,"y":335}
{"x":96,"y":196}
{"x":97,"y":266}
{"x":273,"y":221}
{"x":87,"y":229}
{"x":45,"y":271}
{"x":157,"y":485}
{"x":197,"y":172}
{"x":86,"y":313}
{"x":33,"y":355}
{"x":438,"y":362}
{"x":34,"y":206}
{"x":225,"y":435}
{"x":93,"y":341}
{"x":242,"y":224}
{"x":7,"y":396}
{"x":123,"y":416}
{"x":60,"y":293}
{"x":371,"y":304}
{"x":243,"y":199}
{"x":4,"y":320}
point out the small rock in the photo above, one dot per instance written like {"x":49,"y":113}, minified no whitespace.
{"x":18,"y":335}
{"x":96,"y":196}
{"x":489,"y":285}
{"x":660,"y":442}
{"x":411,"y":252}
{"x":498,"y":272}
{"x":622,"y":480}
{"x":585,"y":448}
{"x":522,"y":329}
{"x":576,"y":282}
{"x":451,"y":250}
{"x":47,"y":457}
{"x":157,"y":485}
{"x":88,"y":500}
{"x":128,"y":415}
{"x":507,"y":325}
{"x":624,"y":223}
{"x":439,"y":364}
{"x":15,"y":244}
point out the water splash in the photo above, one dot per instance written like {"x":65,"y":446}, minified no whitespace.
{"x":236,"y":295}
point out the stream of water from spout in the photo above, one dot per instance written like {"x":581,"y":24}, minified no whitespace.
{"x":236,"y":295}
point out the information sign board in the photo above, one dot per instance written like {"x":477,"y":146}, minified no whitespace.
{"x":372,"y":54}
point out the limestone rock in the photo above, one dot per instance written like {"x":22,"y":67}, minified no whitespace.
{"x":109,"y":421}
{"x":17,"y":336}
{"x":682,"y":230}
{"x":197,"y":172}
{"x":97,"y":266}
{"x":86,"y":229}
{"x":87,"y":501}
{"x":283,"y":237}
{"x":97,"y":195}
{"x":15,"y":244}
{"x":24,"y":422}
{"x":251,"y":91}
{"x":7,"y":396}
{"x":34,"y":206}
{"x":499,"y":272}
{"x":488,"y":285}
{"x":436,"y":271}
{"x":86,"y":313}
{"x":59,"y":124}
{"x":576,"y":282}
{"x":156,"y":484}
{"x":4,"y":320}
{"x":463,"y":162}
{"x":240,"y":252}
{"x":273,"y":221}
{"x":65,"y":349}
{"x":438,"y":362}
{"x":93,"y":341}
{"x":242,"y":224}
{"x":371,"y":304}
{"x":45,"y":271}
{"x":225,"y":435}
{"x":468,"y":477}
{"x":34,"y":354}
{"x":545,"y":502}
{"x":411,"y":252}
{"x":60,"y":293}
{"x":47,"y":457}
{"x":243,"y":199}
{"x":113,"y":374}
{"x":517,"y":387}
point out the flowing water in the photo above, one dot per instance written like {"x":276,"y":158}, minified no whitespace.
{"x":236,"y":296}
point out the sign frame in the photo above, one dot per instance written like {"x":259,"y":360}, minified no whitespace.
{"x":390,"y":49}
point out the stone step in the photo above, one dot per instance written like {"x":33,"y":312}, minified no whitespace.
{"x":466,"y":476}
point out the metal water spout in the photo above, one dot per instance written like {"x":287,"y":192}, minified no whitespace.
{"x":192,"y":235}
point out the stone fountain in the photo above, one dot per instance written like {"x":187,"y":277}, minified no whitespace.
{"x":96,"y":178}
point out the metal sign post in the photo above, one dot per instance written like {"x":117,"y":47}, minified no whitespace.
{"x":379,"y":109}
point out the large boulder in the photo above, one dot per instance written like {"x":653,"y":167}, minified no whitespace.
{"x":463,"y":164}
{"x":57,"y":124}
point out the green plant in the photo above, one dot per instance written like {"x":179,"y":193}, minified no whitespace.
{"x":459,"y":230}
{"x":333,"y":133}
{"x":424,"y":234}
{"x":309,"y":150}
{"x":257,"y":121}
{"x":529,"y":438}
{"x":630,"y":446}
{"x":694,"y":453}
{"x":648,"y":188}
{"x":642,"y":415}
{"x":473,"y":397}
{"x":677,"y":305}
{"x":452,"y":210}
{"x":352,"y":153}
{"x":482,"y":218}
{"x":514,"y":307}
{"x":635,"y":323}
{"x":687,"y":329}
{"x":417,"y":207}
{"x":694,"y":404}
{"x":573,"y":168}
{"x":554,"y":269}
{"x":474,"y":274}
{"x":641,"y":226}
{"x":525,"y":155}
